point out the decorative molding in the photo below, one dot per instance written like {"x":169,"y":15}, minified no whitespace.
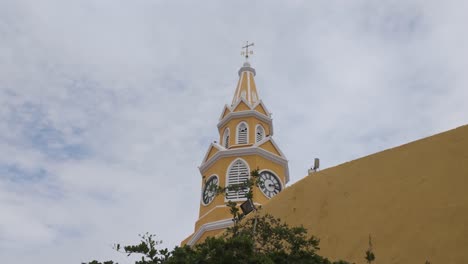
{"x":247,"y":68}
{"x":258,"y":144}
{"x":226,"y":107}
{"x":253,"y":150}
{"x":211,"y":210}
{"x":260,"y":102}
{"x":237,"y":95}
{"x":221,"y":224}
{"x":247,"y":113}
{"x":237,"y":103}
{"x":249,"y":92}
{"x":212,"y":145}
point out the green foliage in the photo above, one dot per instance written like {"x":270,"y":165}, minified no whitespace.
{"x":260,"y":239}
{"x":256,"y":240}
{"x":369,"y":256}
{"x":97,"y":262}
{"x":369,"y":253}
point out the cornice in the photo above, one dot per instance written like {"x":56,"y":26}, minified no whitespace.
{"x":253,"y":150}
{"x":247,"y":113}
{"x":221,"y":224}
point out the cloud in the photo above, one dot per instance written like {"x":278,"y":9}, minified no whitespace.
{"x":107,"y":107}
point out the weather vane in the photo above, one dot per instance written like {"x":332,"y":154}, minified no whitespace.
{"x":247,"y":52}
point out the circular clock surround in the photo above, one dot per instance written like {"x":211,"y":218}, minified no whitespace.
{"x":269,"y":183}
{"x":209,"y":190}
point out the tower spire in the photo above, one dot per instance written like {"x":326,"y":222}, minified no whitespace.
{"x":246,"y":88}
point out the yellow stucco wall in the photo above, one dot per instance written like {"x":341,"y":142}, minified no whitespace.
{"x":412,"y":200}
{"x":268,"y":146}
{"x":211,"y":152}
{"x":241,"y":107}
{"x":259,"y":108}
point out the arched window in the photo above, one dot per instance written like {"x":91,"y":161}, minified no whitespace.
{"x":242,"y":133}
{"x":226,"y":138}
{"x":260,"y":133}
{"x":238,"y":173}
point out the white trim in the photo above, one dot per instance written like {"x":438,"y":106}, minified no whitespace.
{"x":221,"y":224}
{"x":224,"y":110}
{"x":243,"y":114}
{"x":258,"y":144}
{"x":203,"y":188}
{"x":249,"y":95}
{"x":256,"y":131}
{"x":228,"y":137}
{"x":227,"y":178}
{"x":212,"y":145}
{"x":260,"y":102}
{"x":242,"y":99}
{"x":251,"y":150}
{"x":247,"y":134}
{"x":276,"y":175}
{"x":238,"y":89}
{"x":211,"y":210}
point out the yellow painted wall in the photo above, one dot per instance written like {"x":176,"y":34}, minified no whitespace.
{"x":211,"y":152}
{"x":226,"y":112}
{"x":412,"y":199}
{"x":241,"y":107}
{"x":268,"y":146}
{"x":259,"y":108}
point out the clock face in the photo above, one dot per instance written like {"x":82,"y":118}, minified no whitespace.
{"x":269,"y":184}
{"x":209,"y":192}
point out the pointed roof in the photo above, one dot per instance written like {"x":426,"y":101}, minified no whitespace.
{"x":246,"y":87}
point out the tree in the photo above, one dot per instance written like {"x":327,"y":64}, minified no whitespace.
{"x":260,"y":239}
{"x":263,"y":241}
{"x":370,"y":256}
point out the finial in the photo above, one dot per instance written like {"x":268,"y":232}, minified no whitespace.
{"x":247,"y":52}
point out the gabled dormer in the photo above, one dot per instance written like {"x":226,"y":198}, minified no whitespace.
{"x":261,"y":108}
{"x":241,"y":105}
{"x":225,"y":112}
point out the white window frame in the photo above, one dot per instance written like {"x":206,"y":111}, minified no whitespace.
{"x":226,"y":136}
{"x":246,"y":136}
{"x":256,"y":132}
{"x":226,"y":198}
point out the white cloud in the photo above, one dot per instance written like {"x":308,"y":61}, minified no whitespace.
{"x":114,"y":103}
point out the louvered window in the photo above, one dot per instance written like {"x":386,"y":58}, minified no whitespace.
{"x":238,"y":174}
{"x":260,"y":134}
{"x":226,"y":138}
{"x":242,"y":134}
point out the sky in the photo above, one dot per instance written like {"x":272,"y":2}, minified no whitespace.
{"x":107,"y":107}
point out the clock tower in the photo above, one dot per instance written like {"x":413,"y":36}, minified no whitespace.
{"x":245,"y":143}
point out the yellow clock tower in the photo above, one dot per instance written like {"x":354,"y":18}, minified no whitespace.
{"x":245,"y":144}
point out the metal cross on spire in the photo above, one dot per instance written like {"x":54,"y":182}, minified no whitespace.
{"x":247,"y":52}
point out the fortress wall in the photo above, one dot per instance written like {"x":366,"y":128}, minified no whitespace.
{"x":412,"y":200}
